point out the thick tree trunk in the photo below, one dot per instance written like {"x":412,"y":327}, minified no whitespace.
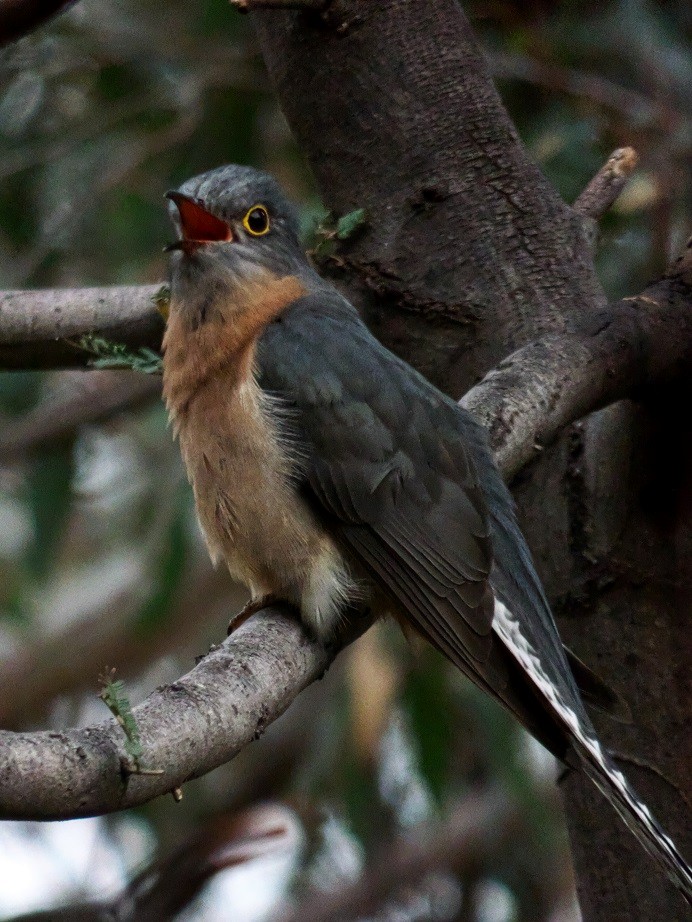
{"x":604,"y":512}
{"x":469,"y":251}
{"x":468,"y":255}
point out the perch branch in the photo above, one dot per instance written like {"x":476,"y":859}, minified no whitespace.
{"x":187,"y":728}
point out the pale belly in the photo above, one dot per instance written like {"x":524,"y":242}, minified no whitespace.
{"x":251,"y":515}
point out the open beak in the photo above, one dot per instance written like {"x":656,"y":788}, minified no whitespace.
{"x":198,"y":225}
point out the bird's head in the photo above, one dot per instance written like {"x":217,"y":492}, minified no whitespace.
{"x":234,"y":226}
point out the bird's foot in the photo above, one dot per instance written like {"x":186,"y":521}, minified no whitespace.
{"x":252,"y":607}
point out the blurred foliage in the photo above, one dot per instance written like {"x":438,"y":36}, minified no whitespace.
{"x":108,"y":355}
{"x":101,"y":111}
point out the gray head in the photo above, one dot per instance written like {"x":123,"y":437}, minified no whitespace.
{"x":233,"y":223}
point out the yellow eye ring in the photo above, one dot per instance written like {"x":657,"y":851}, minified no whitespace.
{"x":256,"y":221}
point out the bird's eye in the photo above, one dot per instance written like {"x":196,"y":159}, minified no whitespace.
{"x":256,"y":221}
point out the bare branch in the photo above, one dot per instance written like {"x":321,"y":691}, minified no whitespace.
{"x":187,"y":728}
{"x":607,"y":184}
{"x":19,"y":17}
{"x":41,"y":329}
{"x":534,"y":394}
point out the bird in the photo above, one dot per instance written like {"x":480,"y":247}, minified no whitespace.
{"x":330,"y":475}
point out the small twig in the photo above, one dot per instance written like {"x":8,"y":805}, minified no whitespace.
{"x":607,"y":184}
{"x":115,"y":698}
{"x":244,"y":6}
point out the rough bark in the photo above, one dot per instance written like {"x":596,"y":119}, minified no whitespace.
{"x":469,"y":252}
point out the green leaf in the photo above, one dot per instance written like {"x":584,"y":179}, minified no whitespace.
{"x":109,"y":355}
{"x":323,"y":233}
{"x":115,"y":698}
{"x":350,"y":223}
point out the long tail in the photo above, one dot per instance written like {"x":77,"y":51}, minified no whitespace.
{"x":595,"y":762}
{"x":636,"y":815}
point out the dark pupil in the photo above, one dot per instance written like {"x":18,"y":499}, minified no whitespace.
{"x":257,"y":220}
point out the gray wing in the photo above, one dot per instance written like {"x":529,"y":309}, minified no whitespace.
{"x":393,"y":462}
{"x":389,"y":460}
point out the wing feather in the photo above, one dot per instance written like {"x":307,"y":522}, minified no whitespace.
{"x":388,"y":460}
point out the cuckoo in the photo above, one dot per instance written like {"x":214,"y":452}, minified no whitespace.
{"x":328,"y":473}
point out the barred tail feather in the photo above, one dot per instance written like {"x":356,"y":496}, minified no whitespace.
{"x":596,"y":763}
{"x":635,"y":814}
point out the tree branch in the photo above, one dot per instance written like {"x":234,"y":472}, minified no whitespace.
{"x":41,"y":329}
{"x":187,"y":728}
{"x":607,"y":184}
{"x":635,"y":344}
